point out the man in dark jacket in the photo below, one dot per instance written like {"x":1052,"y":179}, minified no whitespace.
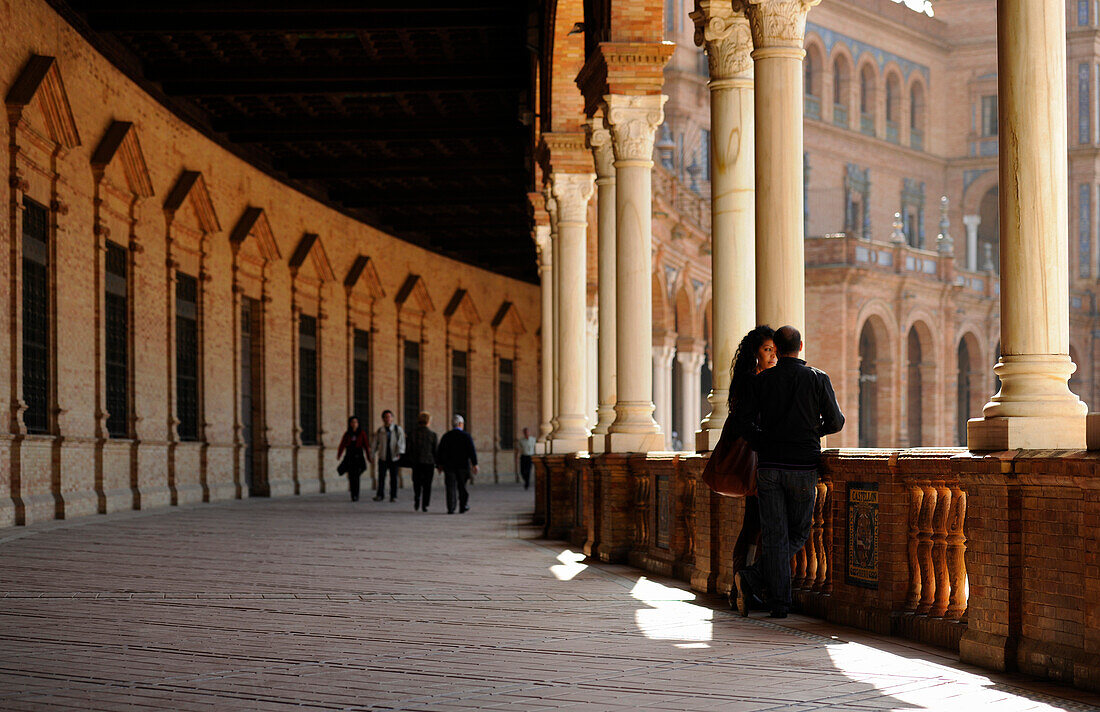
{"x":456,"y":456}
{"x":787,"y":410}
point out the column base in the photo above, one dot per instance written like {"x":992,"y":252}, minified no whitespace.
{"x":1026,"y":433}
{"x":706,"y":440}
{"x":566,"y":446}
{"x":597,"y":442}
{"x":635,"y":442}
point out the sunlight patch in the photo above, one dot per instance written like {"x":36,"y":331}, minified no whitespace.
{"x":570,"y":565}
{"x":670,"y":616}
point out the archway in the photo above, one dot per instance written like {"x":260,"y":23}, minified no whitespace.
{"x":842,"y":89}
{"x":989,"y":232}
{"x":969,"y":392}
{"x":917,"y":345}
{"x":868,"y":386}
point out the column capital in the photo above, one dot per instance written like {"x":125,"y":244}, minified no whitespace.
{"x":571,"y":193}
{"x":633,"y":121}
{"x":598,"y":138}
{"x":691,"y":360}
{"x":725,"y":34}
{"x":778,"y":23}
{"x":541,"y":236}
{"x":551,"y":207}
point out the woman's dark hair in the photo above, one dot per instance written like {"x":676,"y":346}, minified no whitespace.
{"x":744,"y":360}
{"x":356,"y":419}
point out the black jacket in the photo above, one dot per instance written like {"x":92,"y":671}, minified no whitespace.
{"x":456,"y":451}
{"x":786,"y":411}
{"x":421,"y":446}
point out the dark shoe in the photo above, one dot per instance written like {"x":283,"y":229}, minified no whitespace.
{"x":354,"y":498}
{"x":378,"y":498}
{"x":450,"y":511}
{"x":464,"y":509}
{"x":393,"y":499}
{"x":425,"y":509}
{"x":741,"y":595}
{"x":416,"y":506}
{"x":778,"y":612}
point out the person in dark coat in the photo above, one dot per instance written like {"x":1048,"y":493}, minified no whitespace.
{"x":457,"y":457}
{"x":422,"y":443}
{"x":355,"y":449}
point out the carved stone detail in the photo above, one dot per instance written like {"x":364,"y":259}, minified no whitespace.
{"x":571,"y":193}
{"x":633,"y":121}
{"x":725,"y":34}
{"x":598,"y":138}
{"x":778,"y":23}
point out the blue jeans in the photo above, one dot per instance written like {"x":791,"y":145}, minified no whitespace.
{"x":786,"y":499}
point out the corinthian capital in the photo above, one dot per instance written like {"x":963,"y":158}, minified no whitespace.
{"x":633,"y":121}
{"x":778,"y":23}
{"x":724,"y":32}
{"x":572,"y":191}
{"x":598,"y":138}
{"x":541,"y":236}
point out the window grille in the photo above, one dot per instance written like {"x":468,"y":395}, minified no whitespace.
{"x":459,"y":384}
{"x":307,"y":379}
{"x":187,"y":356}
{"x":36,"y":317}
{"x":117,"y":338}
{"x":989,"y":115}
{"x":507,"y":405}
{"x":361,"y":376}
{"x":248,"y":374}
{"x":411,"y":403}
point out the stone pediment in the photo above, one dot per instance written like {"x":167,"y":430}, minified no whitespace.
{"x":310,"y":251}
{"x":461,"y":309}
{"x":362,"y":274}
{"x":507,"y":320}
{"x":254,"y":223}
{"x":40,"y":83}
{"x":121,"y":141}
{"x":190,"y":188}
{"x":413,"y":295}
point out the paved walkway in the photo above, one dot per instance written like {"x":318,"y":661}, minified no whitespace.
{"x":316,"y":603}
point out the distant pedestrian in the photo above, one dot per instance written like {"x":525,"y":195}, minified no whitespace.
{"x":421,"y":454}
{"x":526,"y":452}
{"x":785,"y":413}
{"x":457,"y":457}
{"x":355,"y":451}
{"x":389,"y":446}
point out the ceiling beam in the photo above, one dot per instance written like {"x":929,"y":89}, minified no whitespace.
{"x":319,"y":169}
{"x":306,"y":134}
{"x":229,"y":73}
{"x":362,"y":86}
{"x":178,"y":21}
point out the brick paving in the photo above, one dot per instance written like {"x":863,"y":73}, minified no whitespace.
{"x":317,"y":603}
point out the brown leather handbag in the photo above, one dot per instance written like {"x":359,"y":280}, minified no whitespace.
{"x":731,"y":469}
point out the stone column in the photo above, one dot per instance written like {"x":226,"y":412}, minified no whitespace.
{"x":778,"y":30}
{"x":972,"y":222}
{"x":664,"y":349}
{"x":555,"y":316}
{"x":599,"y":140}
{"x":571,"y":193}
{"x":691,"y":362}
{"x":728,"y":41}
{"x":633,"y":121}
{"x":1034,"y":408}
{"x":546,"y":277}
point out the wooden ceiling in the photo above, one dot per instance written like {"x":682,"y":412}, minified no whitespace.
{"x":410,"y":115}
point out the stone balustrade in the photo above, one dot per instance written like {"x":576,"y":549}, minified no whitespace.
{"x":993,"y":556}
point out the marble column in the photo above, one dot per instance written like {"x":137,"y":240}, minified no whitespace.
{"x":633,"y":121}
{"x":571,"y":193}
{"x":592,"y":357}
{"x":691,"y":361}
{"x":664,"y":350}
{"x":778,"y":30}
{"x":546,"y":276}
{"x":599,"y":141}
{"x":555,"y":289}
{"x":1034,"y":408}
{"x":728,"y":41}
{"x":972,"y":222}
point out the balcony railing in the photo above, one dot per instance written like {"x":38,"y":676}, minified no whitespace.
{"x":840,"y":115}
{"x":892,"y":131}
{"x":812,"y":106}
{"x":916,"y":139}
{"x":867,"y":124}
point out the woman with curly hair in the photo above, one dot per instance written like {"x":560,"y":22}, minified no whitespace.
{"x":755,"y":353}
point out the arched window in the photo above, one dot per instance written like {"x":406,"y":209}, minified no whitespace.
{"x":915,"y":390}
{"x":811,"y":66}
{"x":916,"y":117}
{"x":811,"y":72}
{"x":867,"y":100}
{"x":893,"y":107}
{"x":868,"y":388}
{"x":841,"y":90}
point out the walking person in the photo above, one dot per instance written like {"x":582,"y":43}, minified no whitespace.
{"x":355,"y":451}
{"x":422,"y":444}
{"x":457,"y":457}
{"x":389,"y":446}
{"x":526,"y":452}
{"x":785,"y":413}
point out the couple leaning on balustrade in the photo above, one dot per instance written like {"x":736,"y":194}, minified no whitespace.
{"x":454,"y":454}
{"x":769,"y":453}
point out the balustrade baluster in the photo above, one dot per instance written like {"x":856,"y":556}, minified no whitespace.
{"x":939,"y":549}
{"x":956,"y":554}
{"x":798,"y":569}
{"x":916,"y":500}
{"x":924,"y":549}
{"x":818,"y":537}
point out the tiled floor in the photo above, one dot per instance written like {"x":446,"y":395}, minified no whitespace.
{"x":316,"y":603}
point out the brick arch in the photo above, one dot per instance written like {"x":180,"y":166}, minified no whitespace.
{"x":815,"y":52}
{"x":867,"y":67}
{"x":841,"y":58}
{"x":561,"y":104}
{"x":663,"y":317}
{"x":973,"y":194}
{"x":918,"y":116}
{"x":892,"y":76}
{"x":876,"y":368}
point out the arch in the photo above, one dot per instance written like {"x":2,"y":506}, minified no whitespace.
{"x":920,"y":375}
{"x":893,"y":96}
{"x":916,"y":104}
{"x":842,"y":84}
{"x":814,"y":66}
{"x":562,"y":104}
{"x":968,"y":393}
{"x":873,"y":377}
{"x":41,"y":81}
{"x":867,"y":76}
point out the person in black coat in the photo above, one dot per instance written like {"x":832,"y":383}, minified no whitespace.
{"x":422,"y":443}
{"x":357,"y":449}
{"x":457,"y":457}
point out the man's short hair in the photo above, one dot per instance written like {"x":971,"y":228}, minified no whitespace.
{"x":457,"y":421}
{"x":787,"y":340}
{"x":387,"y":411}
